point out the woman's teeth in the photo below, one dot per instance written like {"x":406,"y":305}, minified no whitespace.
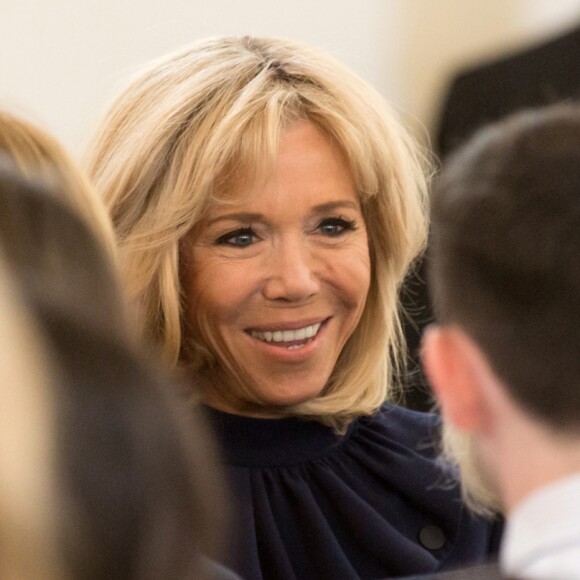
{"x":287,"y":335}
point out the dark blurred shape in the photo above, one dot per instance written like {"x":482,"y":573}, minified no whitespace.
{"x":538,"y":75}
{"x":535,"y":76}
{"x":39,"y":158}
{"x":417,"y":315}
{"x":55,"y":258}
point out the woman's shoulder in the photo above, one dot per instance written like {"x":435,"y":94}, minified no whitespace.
{"x":395,"y":428}
{"x":403,"y":422}
{"x":402,"y":448}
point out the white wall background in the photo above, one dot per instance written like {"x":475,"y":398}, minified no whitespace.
{"x":62,"y":60}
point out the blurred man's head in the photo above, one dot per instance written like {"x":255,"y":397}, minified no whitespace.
{"x":505,"y":276}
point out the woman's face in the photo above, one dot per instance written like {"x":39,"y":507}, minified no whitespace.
{"x":284,"y":272}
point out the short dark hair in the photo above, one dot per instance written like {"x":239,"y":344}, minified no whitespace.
{"x":505,"y":253}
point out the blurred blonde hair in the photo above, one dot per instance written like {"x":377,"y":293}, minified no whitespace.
{"x":39,"y":157}
{"x":478,"y":489}
{"x":192,"y":123}
{"x":28,"y":510}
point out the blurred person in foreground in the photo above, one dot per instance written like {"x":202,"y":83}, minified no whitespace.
{"x":28,"y":489}
{"x":129,"y":484}
{"x":504,"y":359}
{"x":268,"y":203}
{"x":39,"y":157}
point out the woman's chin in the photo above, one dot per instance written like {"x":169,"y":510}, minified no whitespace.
{"x":280,"y":401}
{"x":262,"y":406}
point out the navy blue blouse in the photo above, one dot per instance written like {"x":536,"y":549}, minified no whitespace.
{"x":373,"y":503}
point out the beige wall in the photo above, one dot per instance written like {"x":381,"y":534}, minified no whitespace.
{"x":443,"y":36}
{"x":60,"y":61}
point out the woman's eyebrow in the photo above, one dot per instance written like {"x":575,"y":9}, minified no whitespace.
{"x":258,"y":217}
{"x":334,"y":205}
{"x":236,"y":216}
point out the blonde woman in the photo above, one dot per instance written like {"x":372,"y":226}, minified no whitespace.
{"x":268,"y":203}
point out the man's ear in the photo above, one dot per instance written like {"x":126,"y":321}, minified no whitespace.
{"x":456,"y":369}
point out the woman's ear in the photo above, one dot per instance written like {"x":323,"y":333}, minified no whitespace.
{"x":457,"y":369}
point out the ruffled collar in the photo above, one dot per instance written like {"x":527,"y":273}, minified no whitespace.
{"x":256,"y":442}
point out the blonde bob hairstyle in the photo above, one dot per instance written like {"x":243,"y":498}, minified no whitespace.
{"x":39,"y":157}
{"x":213,"y":113}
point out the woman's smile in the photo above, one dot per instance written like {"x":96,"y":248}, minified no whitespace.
{"x":285,"y":342}
{"x":284,"y":270}
{"x":283,"y":336}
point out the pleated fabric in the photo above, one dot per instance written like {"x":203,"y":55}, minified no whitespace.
{"x":374,"y":503}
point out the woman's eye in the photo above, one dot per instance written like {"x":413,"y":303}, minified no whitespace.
{"x":239,"y":238}
{"x":336,"y":226}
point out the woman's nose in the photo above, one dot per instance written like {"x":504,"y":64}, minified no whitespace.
{"x":291,"y":273}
